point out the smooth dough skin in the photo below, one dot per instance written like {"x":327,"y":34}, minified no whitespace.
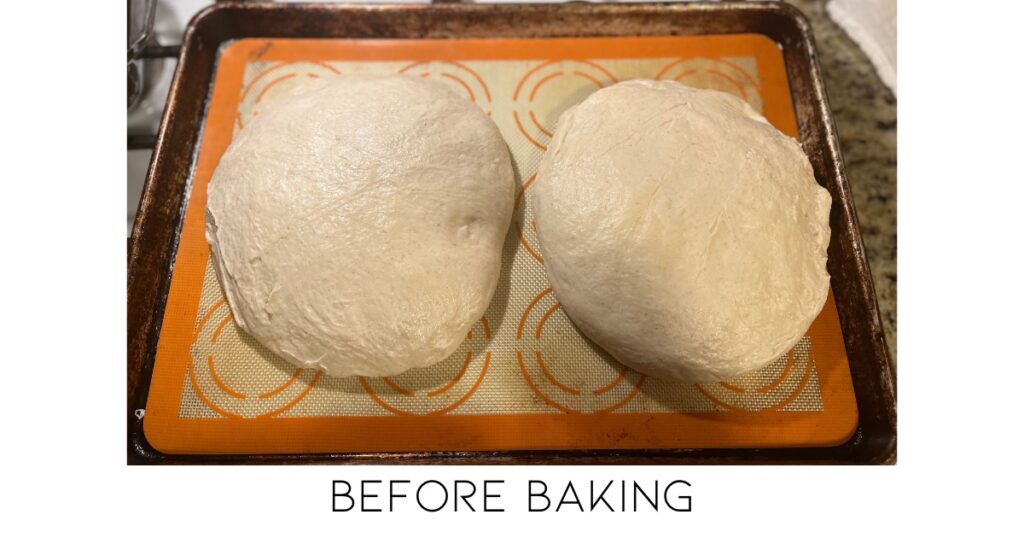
{"x":357,"y":223}
{"x":680,"y":231}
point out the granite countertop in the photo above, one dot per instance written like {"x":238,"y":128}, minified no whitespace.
{"x":864,"y":110}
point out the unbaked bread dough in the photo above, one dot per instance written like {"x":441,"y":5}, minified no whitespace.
{"x":680,"y":231}
{"x":357,"y":223}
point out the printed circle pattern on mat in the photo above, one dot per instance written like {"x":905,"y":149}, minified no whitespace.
{"x":440,"y":388}
{"x":264,"y":387}
{"x":569,"y":382}
{"x":716,"y":74}
{"x":274,"y":81}
{"x":558,"y":85}
{"x":769,"y":389}
{"x":460,"y":78}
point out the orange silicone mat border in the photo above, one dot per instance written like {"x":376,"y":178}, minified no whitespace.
{"x":733,"y":429}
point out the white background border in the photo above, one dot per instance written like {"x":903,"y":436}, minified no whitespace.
{"x":64,"y":310}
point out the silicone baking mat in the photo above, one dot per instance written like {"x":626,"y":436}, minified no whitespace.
{"x":524,"y":378}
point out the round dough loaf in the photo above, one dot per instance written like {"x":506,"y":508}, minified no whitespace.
{"x":357,"y":223}
{"x":680,"y":231}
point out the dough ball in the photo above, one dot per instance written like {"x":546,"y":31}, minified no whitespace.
{"x":357,"y":223}
{"x":680,"y":231}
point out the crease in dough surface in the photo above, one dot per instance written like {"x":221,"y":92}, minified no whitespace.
{"x":356,"y":223}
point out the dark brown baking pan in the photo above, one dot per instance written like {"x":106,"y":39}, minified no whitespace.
{"x":160,"y":215}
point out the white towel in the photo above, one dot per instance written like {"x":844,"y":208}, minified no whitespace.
{"x":872,"y":24}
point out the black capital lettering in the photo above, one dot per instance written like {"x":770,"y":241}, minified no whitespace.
{"x":594,"y":500}
{"x":465,"y":498}
{"x":623,"y":482}
{"x":363,"y":495}
{"x":347,"y":495}
{"x":565,"y":494}
{"x":543,"y":494}
{"x":654,"y":503}
{"x":668,"y":499}
{"x":420,"y":502}
{"x":393,"y":495}
{"x":492,"y":496}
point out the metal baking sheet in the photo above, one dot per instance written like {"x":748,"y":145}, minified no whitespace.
{"x":846,"y":257}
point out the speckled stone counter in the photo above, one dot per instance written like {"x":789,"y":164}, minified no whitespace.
{"x":865,"y":115}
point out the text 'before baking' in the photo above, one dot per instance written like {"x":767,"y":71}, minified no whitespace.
{"x":466,"y":496}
